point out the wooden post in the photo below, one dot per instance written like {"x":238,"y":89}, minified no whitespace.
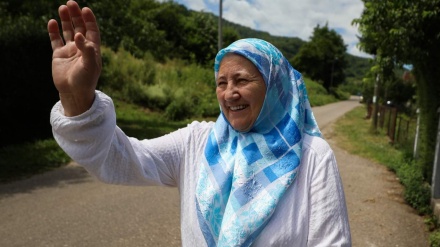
{"x":376,"y":102}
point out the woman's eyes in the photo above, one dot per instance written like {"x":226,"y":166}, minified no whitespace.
{"x":237,"y":81}
{"x":242,"y":80}
{"x":220,"y":83}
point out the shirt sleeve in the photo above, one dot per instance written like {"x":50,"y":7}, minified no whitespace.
{"x":328,"y":222}
{"x":93,"y":140}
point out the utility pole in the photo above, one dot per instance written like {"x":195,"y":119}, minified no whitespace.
{"x":220,"y":35}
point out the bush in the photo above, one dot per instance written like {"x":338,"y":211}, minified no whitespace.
{"x":351,"y":86}
{"x":193,"y":90}
{"x":179,"y":110}
{"x":317,"y":94}
{"x":434,"y":239}
{"x":417,"y":192}
{"x":126,"y":77}
{"x":339,"y":93}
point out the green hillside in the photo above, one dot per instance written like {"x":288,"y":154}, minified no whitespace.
{"x":289,"y":46}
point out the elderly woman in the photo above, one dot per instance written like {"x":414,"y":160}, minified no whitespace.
{"x":261,"y":175}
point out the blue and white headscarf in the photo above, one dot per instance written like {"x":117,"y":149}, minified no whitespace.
{"x":244,"y":175}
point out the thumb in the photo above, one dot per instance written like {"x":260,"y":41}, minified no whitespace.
{"x":80,"y":41}
{"x":86,"y":48}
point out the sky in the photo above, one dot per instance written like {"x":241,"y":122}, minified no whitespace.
{"x":290,"y":18}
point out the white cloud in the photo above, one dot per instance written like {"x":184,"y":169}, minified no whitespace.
{"x":291,"y":18}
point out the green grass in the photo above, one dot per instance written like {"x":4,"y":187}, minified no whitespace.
{"x":354,"y":134}
{"x":142,"y":123}
{"x":21,"y":161}
{"x":25,"y":160}
{"x":318,"y":96}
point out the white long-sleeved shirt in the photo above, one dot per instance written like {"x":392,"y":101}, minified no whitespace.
{"x":311,"y":213}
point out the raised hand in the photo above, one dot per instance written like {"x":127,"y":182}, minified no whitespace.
{"x":76,"y":61}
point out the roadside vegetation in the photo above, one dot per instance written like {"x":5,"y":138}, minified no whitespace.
{"x":170,"y":102}
{"x":149,"y":39}
{"x":355,"y":134}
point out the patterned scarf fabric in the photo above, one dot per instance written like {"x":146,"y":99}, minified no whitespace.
{"x":244,"y":175}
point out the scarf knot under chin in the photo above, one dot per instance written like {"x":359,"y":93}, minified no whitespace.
{"x":244,"y":175}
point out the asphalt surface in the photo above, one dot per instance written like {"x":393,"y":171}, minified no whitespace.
{"x":68,"y":207}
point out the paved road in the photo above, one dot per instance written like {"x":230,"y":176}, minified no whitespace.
{"x":67,"y":207}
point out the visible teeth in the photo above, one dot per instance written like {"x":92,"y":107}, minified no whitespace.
{"x":235,"y":108}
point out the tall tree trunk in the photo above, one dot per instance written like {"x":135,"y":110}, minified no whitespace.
{"x":427,"y":73}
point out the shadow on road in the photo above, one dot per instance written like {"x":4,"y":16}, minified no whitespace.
{"x":70,"y":174}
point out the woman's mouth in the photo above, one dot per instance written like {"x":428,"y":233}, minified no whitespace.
{"x":238,"y":107}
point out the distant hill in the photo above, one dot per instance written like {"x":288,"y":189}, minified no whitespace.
{"x":289,"y":46}
{"x":357,"y":67}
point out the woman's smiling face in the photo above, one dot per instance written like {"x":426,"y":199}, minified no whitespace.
{"x":240,"y":91}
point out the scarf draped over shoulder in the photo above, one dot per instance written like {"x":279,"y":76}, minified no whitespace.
{"x":243,"y":176}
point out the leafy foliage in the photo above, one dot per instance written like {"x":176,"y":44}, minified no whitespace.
{"x":179,"y":89}
{"x":165,"y":30}
{"x":417,"y":192}
{"x":406,"y":31}
{"x":434,"y":239}
{"x":144,"y":33}
{"x":356,"y":68}
{"x":317,"y":94}
{"x":323,"y":58}
{"x":125,"y":76}
{"x":27,"y":93}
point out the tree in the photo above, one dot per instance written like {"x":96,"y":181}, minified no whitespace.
{"x":27,"y":94}
{"x":323,"y":57}
{"x":229,"y":36}
{"x":408,"y":32}
{"x":201,"y":37}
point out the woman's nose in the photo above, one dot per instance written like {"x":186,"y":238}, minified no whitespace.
{"x":231,"y":93}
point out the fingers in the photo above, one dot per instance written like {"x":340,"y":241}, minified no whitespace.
{"x":54,"y":34}
{"x":90,"y":52}
{"x":87,"y":49}
{"x":73,"y":20}
{"x":91,"y":25}
{"x":76,"y":17}
{"x":66,"y":23}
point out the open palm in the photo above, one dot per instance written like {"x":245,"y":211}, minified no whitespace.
{"x":76,"y":61}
